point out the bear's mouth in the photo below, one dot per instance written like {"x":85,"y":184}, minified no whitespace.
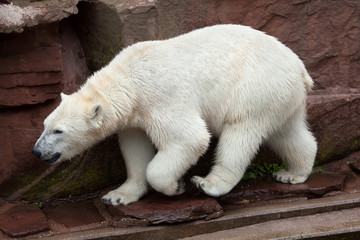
{"x":54,"y":158}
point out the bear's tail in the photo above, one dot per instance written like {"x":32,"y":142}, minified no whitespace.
{"x":309,"y":83}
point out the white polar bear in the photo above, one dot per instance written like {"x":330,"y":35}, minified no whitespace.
{"x":229,"y":81}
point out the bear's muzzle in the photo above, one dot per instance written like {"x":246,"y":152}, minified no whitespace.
{"x":50,"y":160}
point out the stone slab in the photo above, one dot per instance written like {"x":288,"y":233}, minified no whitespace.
{"x":22,"y":220}
{"x":74,"y":214}
{"x":317,"y":185}
{"x":157,"y":208}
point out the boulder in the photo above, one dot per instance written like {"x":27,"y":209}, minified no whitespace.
{"x":19,"y":14}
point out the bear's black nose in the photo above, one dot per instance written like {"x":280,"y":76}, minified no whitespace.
{"x":36,"y":152}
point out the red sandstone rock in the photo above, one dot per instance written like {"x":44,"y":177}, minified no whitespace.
{"x":334,"y":120}
{"x":31,"y":73}
{"x":9,"y":81}
{"x":157,"y":208}
{"x":352,"y":183}
{"x":316,"y":186}
{"x":22,"y":220}
{"x":324,"y":34}
{"x":42,"y":59}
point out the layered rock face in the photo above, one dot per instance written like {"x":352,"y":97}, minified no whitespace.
{"x":44,"y":60}
{"x":35,"y":66}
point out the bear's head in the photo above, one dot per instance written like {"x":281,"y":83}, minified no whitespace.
{"x":75,"y":125}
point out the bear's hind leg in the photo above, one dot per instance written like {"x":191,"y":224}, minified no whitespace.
{"x":295,"y":144}
{"x":237,"y":146}
{"x":137,"y":151}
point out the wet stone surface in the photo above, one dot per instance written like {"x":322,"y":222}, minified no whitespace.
{"x":157,"y":208}
{"x":21,"y":220}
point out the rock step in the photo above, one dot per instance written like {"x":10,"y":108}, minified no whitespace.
{"x":342,"y":224}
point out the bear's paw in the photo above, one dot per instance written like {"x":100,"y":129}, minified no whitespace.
{"x":288,"y":177}
{"x":207,"y":187}
{"x":117,"y":197}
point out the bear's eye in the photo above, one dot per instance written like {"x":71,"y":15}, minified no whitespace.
{"x":58,"y":131}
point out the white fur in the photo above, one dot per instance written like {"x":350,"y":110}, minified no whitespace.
{"x":229,"y":81}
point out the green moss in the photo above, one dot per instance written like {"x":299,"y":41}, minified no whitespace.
{"x":20,"y":180}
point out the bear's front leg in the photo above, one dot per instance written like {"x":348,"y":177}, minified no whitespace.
{"x":180,"y":146}
{"x":137,"y":151}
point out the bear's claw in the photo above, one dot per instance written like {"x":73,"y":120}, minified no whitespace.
{"x":181,"y":186}
{"x":198,"y":182}
{"x":116,"y":198}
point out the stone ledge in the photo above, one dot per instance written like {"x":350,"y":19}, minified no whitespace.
{"x":341,"y":224}
{"x":232,"y":219}
{"x":317,"y":185}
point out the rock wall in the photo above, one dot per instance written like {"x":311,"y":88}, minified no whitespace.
{"x":39,"y":63}
{"x":325,"y":34}
{"x":35,"y":66}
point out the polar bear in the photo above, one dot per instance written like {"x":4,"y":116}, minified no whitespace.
{"x":228,"y":81}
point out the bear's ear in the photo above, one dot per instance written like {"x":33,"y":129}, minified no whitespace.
{"x":63,"y":96}
{"x":96,"y":112}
